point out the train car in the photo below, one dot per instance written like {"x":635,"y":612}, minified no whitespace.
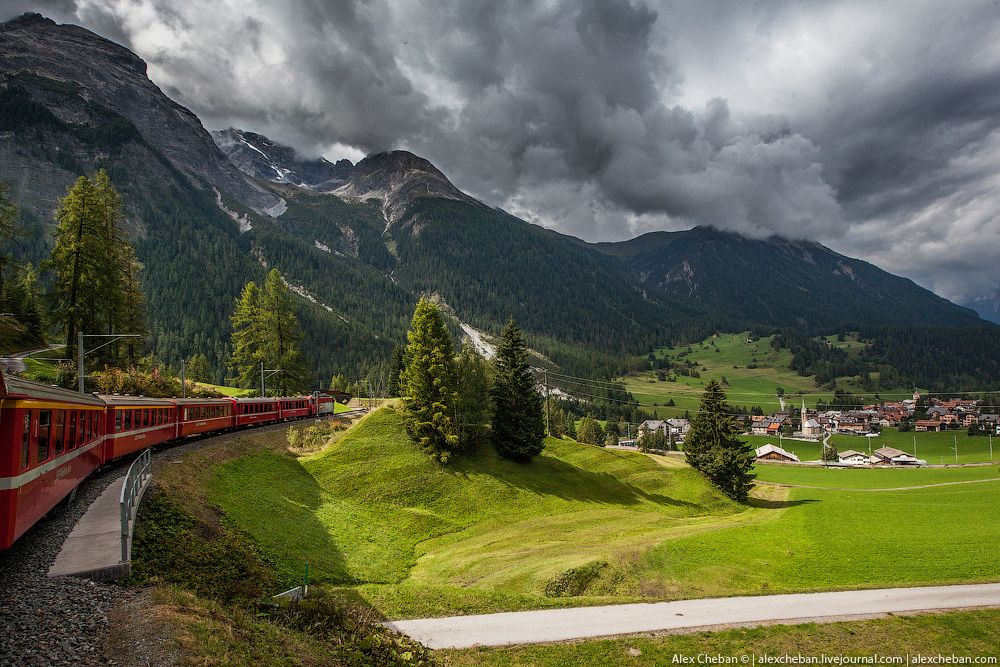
{"x":204,"y":415}
{"x":296,"y":407}
{"x":324,"y":405}
{"x":256,"y":410}
{"x":133,"y":423}
{"x":50,"y":440}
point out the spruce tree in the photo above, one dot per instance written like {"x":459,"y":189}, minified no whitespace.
{"x":712,"y":445}
{"x":266,"y":330}
{"x":397,"y":363}
{"x":429,"y":383}
{"x":197,"y":369}
{"x":518,"y":423}
{"x":472,"y":407}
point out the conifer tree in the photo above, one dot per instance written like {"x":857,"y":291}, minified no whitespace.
{"x":8,"y":229}
{"x":429,"y":383}
{"x":472,"y":406}
{"x":266,"y":330}
{"x":712,"y":445}
{"x":197,"y":369}
{"x":518,"y":423}
{"x":397,"y":363}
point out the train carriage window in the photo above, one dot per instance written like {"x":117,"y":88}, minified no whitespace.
{"x":71,"y":435}
{"x":44,"y":423}
{"x":59,"y":432}
{"x":128,"y":420}
{"x":118,"y":421}
{"x":26,"y":439}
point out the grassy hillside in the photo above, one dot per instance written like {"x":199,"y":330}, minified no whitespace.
{"x":754,"y":372}
{"x":479,"y":534}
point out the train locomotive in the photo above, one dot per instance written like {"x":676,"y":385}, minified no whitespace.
{"x":51,"y":439}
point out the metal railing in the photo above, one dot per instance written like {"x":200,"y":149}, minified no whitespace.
{"x":136,"y":480}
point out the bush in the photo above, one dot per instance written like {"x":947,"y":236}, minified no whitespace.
{"x":574,"y":581}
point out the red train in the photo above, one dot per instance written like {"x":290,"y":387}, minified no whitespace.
{"x":51,"y":439}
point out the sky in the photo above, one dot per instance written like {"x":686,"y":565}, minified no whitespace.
{"x":872,"y":127}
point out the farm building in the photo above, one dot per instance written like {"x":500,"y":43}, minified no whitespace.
{"x":894,"y":457}
{"x":923,"y":425}
{"x":771,"y":452}
{"x":851,"y":457}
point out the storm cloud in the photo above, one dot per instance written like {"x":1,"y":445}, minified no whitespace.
{"x":872,"y":127}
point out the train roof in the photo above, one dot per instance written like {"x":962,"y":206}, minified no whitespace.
{"x":112,"y":399}
{"x":21,"y":388}
{"x":202,"y":401}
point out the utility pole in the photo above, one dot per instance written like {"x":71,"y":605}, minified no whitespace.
{"x":262,"y":379}
{"x":956,"y":448}
{"x":183,"y":381}
{"x":548,"y":414}
{"x":80,"y":353}
{"x":914,"y":445}
{"x":991,"y":447}
{"x":79,"y":359}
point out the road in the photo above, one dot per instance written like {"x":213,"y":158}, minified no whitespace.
{"x":15,"y":362}
{"x":553,"y":625}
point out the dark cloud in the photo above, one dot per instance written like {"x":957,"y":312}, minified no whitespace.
{"x":870,"y":126}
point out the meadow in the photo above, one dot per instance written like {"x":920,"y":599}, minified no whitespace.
{"x":376,"y":517}
{"x":728,"y":356}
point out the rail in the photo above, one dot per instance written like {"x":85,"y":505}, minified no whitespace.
{"x":136,"y":480}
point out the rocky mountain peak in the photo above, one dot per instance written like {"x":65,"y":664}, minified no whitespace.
{"x":398,"y":178}
{"x":260,"y":157}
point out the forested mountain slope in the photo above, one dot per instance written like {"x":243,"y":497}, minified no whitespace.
{"x":361,"y":242}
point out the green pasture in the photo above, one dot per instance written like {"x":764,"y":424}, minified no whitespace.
{"x":373,"y":514}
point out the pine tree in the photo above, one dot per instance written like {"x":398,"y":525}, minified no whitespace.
{"x":472,"y":407}
{"x":283,"y":335}
{"x":712,"y":445}
{"x":396,"y":365}
{"x":8,"y":229}
{"x":429,"y":383}
{"x":197,"y":369}
{"x":518,"y":423}
{"x":266,"y":331}
{"x":247,"y":337}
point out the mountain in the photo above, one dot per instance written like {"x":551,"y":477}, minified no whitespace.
{"x":781,"y":282}
{"x":259,"y":157}
{"x":359,"y":243}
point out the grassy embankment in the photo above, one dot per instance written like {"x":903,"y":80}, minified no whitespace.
{"x":382,"y":524}
{"x":414,"y":538}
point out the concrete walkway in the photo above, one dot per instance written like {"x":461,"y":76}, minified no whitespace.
{"x":553,"y":625}
{"x":93,"y":549}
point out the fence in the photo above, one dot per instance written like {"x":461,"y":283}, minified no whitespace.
{"x":136,"y":480}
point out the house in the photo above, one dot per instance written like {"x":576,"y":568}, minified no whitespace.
{"x":894,"y":457}
{"x":679,"y":427}
{"x":923,"y":425}
{"x":852,"y":458}
{"x":937,"y":411}
{"x":812,"y":428}
{"x":970,"y":418}
{"x":990,"y":423}
{"x":851,"y":424}
{"x":949,"y":419}
{"x":771,"y":452}
{"x":653,"y":425}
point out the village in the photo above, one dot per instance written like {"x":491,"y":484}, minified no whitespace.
{"x":929,"y":416}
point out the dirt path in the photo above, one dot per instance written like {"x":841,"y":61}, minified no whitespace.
{"x":554,"y":625}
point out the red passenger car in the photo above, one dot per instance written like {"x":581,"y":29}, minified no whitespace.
{"x":50,"y":440}
{"x":204,"y":415}
{"x":134,"y":423}
{"x":297,"y":407}
{"x":256,"y":410}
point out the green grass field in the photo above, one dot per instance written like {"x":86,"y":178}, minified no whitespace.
{"x":373,"y":514}
{"x":476,"y":535}
{"x":935,"y":448}
{"x":871,"y":478}
{"x":727,"y":356}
